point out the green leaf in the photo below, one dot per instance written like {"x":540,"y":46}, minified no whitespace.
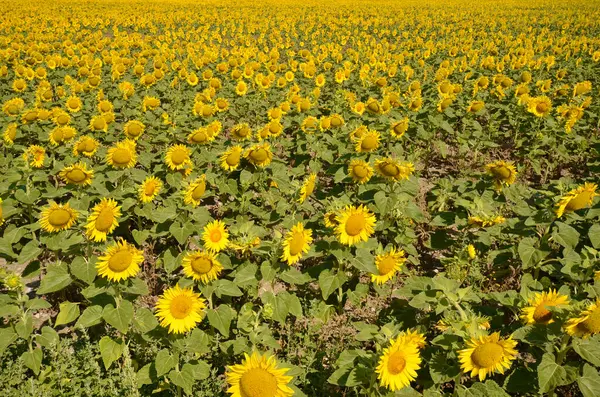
{"x":329,"y":282}
{"x":566,"y":236}
{"x":137,"y":286}
{"x":588,"y":349}
{"x":594,"y":235}
{"x":589,"y":383}
{"x":110,"y":350}
{"x":295,"y":276}
{"x":37,"y":304}
{"x":164,"y":362}
{"x":227,"y":288}
{"x":48,"y":338}
{"x":246,"y":276}
{"x":529,"y":254}
{"x":200,"y":370}
{"x":68,"y":313}
{"x":221,"y":319}
{"x":364,"y":261}
{"x":119,"y":317}
{"x":197,"y":342}
{"x":24,"y":326}
{"x":91,"y":316}
{"x":144,"y":376}
{"x":144,"y":320}
{"x":550,"y":374}
{"x":83,"y":269}
{"x":161,"y":215}
{"x":183,"y":378}
{"x":33,"y":360}
{"x":7,"y":337}
{"x":56,"y":278}
{"x":30,"y":251}
{"x":181,"y":232}
{"x":345,"y":376}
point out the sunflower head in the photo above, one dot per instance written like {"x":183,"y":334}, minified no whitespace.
{"x":149,"y":189}
{"x":241,"y":132}
{"x":537,"y":312}
{"x":354,"y":224}
{"x":487,"y":355}
{"x":259,"y":155}
{"x":368,"y":142}
{"x":57,"y":217}
{"x":215,"y":236}
{"x":201,"y":266}
{"x":134,"y":129}
{"x":77,"y":174}
{"x":258,"y":376}
{"x":399,"y":128}
{"x":194,"y":191}
{"x":180,"y":309}
{"x":230,"y":159}
{"x":296,"y":243}
{"x":577,"y":199}
{"x":103,"y":220}
{"x":85,"y":145}
{"x":399,"y":363}
{"x":388,"y":264}
{"x":394,"y":170}
{"x":307,"y":187}
{"x":177,"y":157}
{"x":360,"y":171}
{"x":120,"y":261}
{"x":588,"y":322}
{"x":503,"y":173}
{"x":122,"y":154}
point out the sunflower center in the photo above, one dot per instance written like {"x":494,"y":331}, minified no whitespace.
{"x":105,"y":219}
{"x":259,"y":155}
{"x":396,"y":363}
{"x":200,"y":136}
{"x":541,"y":107}
{"x":149,"y":189}
{"x":541,"y":314}
{"x":257,"y":382}
{"x":181,"y":307}
{"x":369,"y":143}
{"x":62,"y":119}
{"x":76,"y":176}
{"x":233,"y":158}
{"x":134,"y":129}
{"x":73,"y":103}
{"x":296,"y":243}
{"x":12,"y":109}
{"x":386,"y":265}
{"x":198,"y":191}
{"x":390,"y":169}
{"x":86,"y":146}
{"x":487,"y":355}
{"x":502,"y":173}
{"x":120,"y":261}
{"x":580,"y":201}
{"x":592,"y":324}
{"x":201,"y":265}
{"x":215,"y":236}
{"x":336,"y":122}
{"x":355,"y":224}
{"x":59,"y":217}
{"x":121,"y":156}
{"x":99,"y":123}
{"x":360,"y":171}
{"x":399,"y":129}
{"x":179,"y":156}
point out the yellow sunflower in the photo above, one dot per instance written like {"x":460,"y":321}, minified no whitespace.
{"x":57,"y":217}
{"x":215,"y":236}
{"x":241,"y":132}
{"x":177,"y":157}
{"x":259,"y":155}
{"x":399,"y":128}
{"x":399,"y":363}
{"x":10,"y":133}
{"x":540,"y":106}
{"x":307,"y":188}
{"x":368,"y":142}
{"x":180,"y":309}
{"x":194,"y":191}
{"x":387,"y":265}
{"x":200,"y":135}
{"x":1,"y":213}
{"x":577,"y":199}
{"x":85,"y":145}
{"x":98,"y":123}
{"x":258,"y":376}
{"x":485,"y":221}
{"x":588,"y":322}
{"x":487,"y":354}
{"x":120,"y":261}
{"x":77,"y":174}
{"x":394,"y":170}
{"x":201,"y":266}
{"x":149,"y":189}
{"x":354,"y":224}
{"x":413,"y":336}
{"x":134,"y":129}
{"x":360,"y":171}
{"x":122,"y":154}
{"x":37,"y":154}
{"x":62,"y":134}
{"x":297,"y":242}
{"x":103,"y":220}
{"x":537,"y":312}
{"x":503,"y":173}
{"x":330,"y":219}
{"x":73,"y":104}
{"x":230,"y":160}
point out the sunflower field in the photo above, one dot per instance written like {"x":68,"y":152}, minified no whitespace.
{"x":317,"y":198}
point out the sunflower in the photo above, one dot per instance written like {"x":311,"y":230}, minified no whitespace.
{"x":98,"y":123}
{"x":180,"y":309}
{"x":503,"y":173}
{"x":149,"y":189}
{"x":475,"y":106}
{"x":413,"y":336}
{"x":258,"y":376}
{"x":122,"y":154}
{"x":354,"y":224}
{"x":241,"y":132}
{"x":368,"y":142}
{"x":215,"y":236}
{"x":150,"y":103}
{"x":200,"y":135}
{"x":120,"y":261}
{"x":177,"y":157}
{"x":577,"y":199}
{"x":77,"y":174}
{"x":201,"y":266}
{"x":59,"y":135}
{"x":485,"y":221}
{"x":73,"y":104}
{"x":487,"y":354}
{"x":330,"y":219}
{"x":57,"y":217}
{"x":103,"y":220}
{"x":310,"y":125}
{"x":537,"y":312}
{"x":194,"y":191}
{"x":387,"y":265}
{"x":399,"y":363}
{"x":259,"y":155}
{"x":399,"y":128}
{"x":37,"y":154}
{"x":134,"y":129}
{"x":360,"y":171}
{"x":588,"y":322}
{"x":230,"y":160}
{"x":10,"y":133}
{"x":394,"y":170}
{"x":85,"y":145}
{"x":1,"y":213}
{"x":307,"y":187}
{"x":539,"y":106}
{"x":297,"y":242}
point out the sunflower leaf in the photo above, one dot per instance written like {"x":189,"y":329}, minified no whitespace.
{"x":588,"y":349}
{"x":550,"y":374}
{"x":164,"y":362}
{"x":110,"y":350}
{"x":69,"y":312}
{"x":33,"y":360}
{"x":589,"y":383}
{"x":119,"y":317}
{"x":56,"y":278}
{"x":221,"y":319}
{"x":84,"y":269}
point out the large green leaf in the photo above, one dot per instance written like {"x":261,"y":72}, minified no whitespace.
{"x":221,"y":319}
{"x":550,"y":374}
{"x":56,"y":278}
{"x":68,"y":313}
{"x":119,"y":317}
{"x":110,"y":350}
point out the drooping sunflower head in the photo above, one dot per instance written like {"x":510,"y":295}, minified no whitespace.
{"x":194,"y":191}
{"x":241,"y":132}
{"x":537,"y":312}
{"x":296,"y":243}
{"x":487,"y":355}
{"x":177,"y":157}
{"x":330,"y":219}
{"x":307,"y":187}
{"x":394,"y":170}
{"x":387,"y":265}
{"x":587,"y":323}
{"x":200,"y":135}
{"x":258,"y":376}
{"x":59,"y":135}
{"x":180,"y":309}
{"x":202,"y":266}
{"x":360,"y":171}
{"x":149,"y":189}
{"x":103,"y":220}
{"x":230,"y":159}
{"x":259,"y":155}
{"x":368,"y":142}
{"x":215,"y":236}
{"x":503,"y":173}
{"x":10,"y":133}
{"x":120,"y":261}
{"x":77,"y":174}
{"x":577,"y":199}
{"x":35,"y":156}
{"x":354,"y":224}
{"x":134,"y":129}
{"x":57,"y":217}
{"x":399,"y":363}
{"x":399,"y":128}
{"x":85,"y":145}
{"x":122,"y":154}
